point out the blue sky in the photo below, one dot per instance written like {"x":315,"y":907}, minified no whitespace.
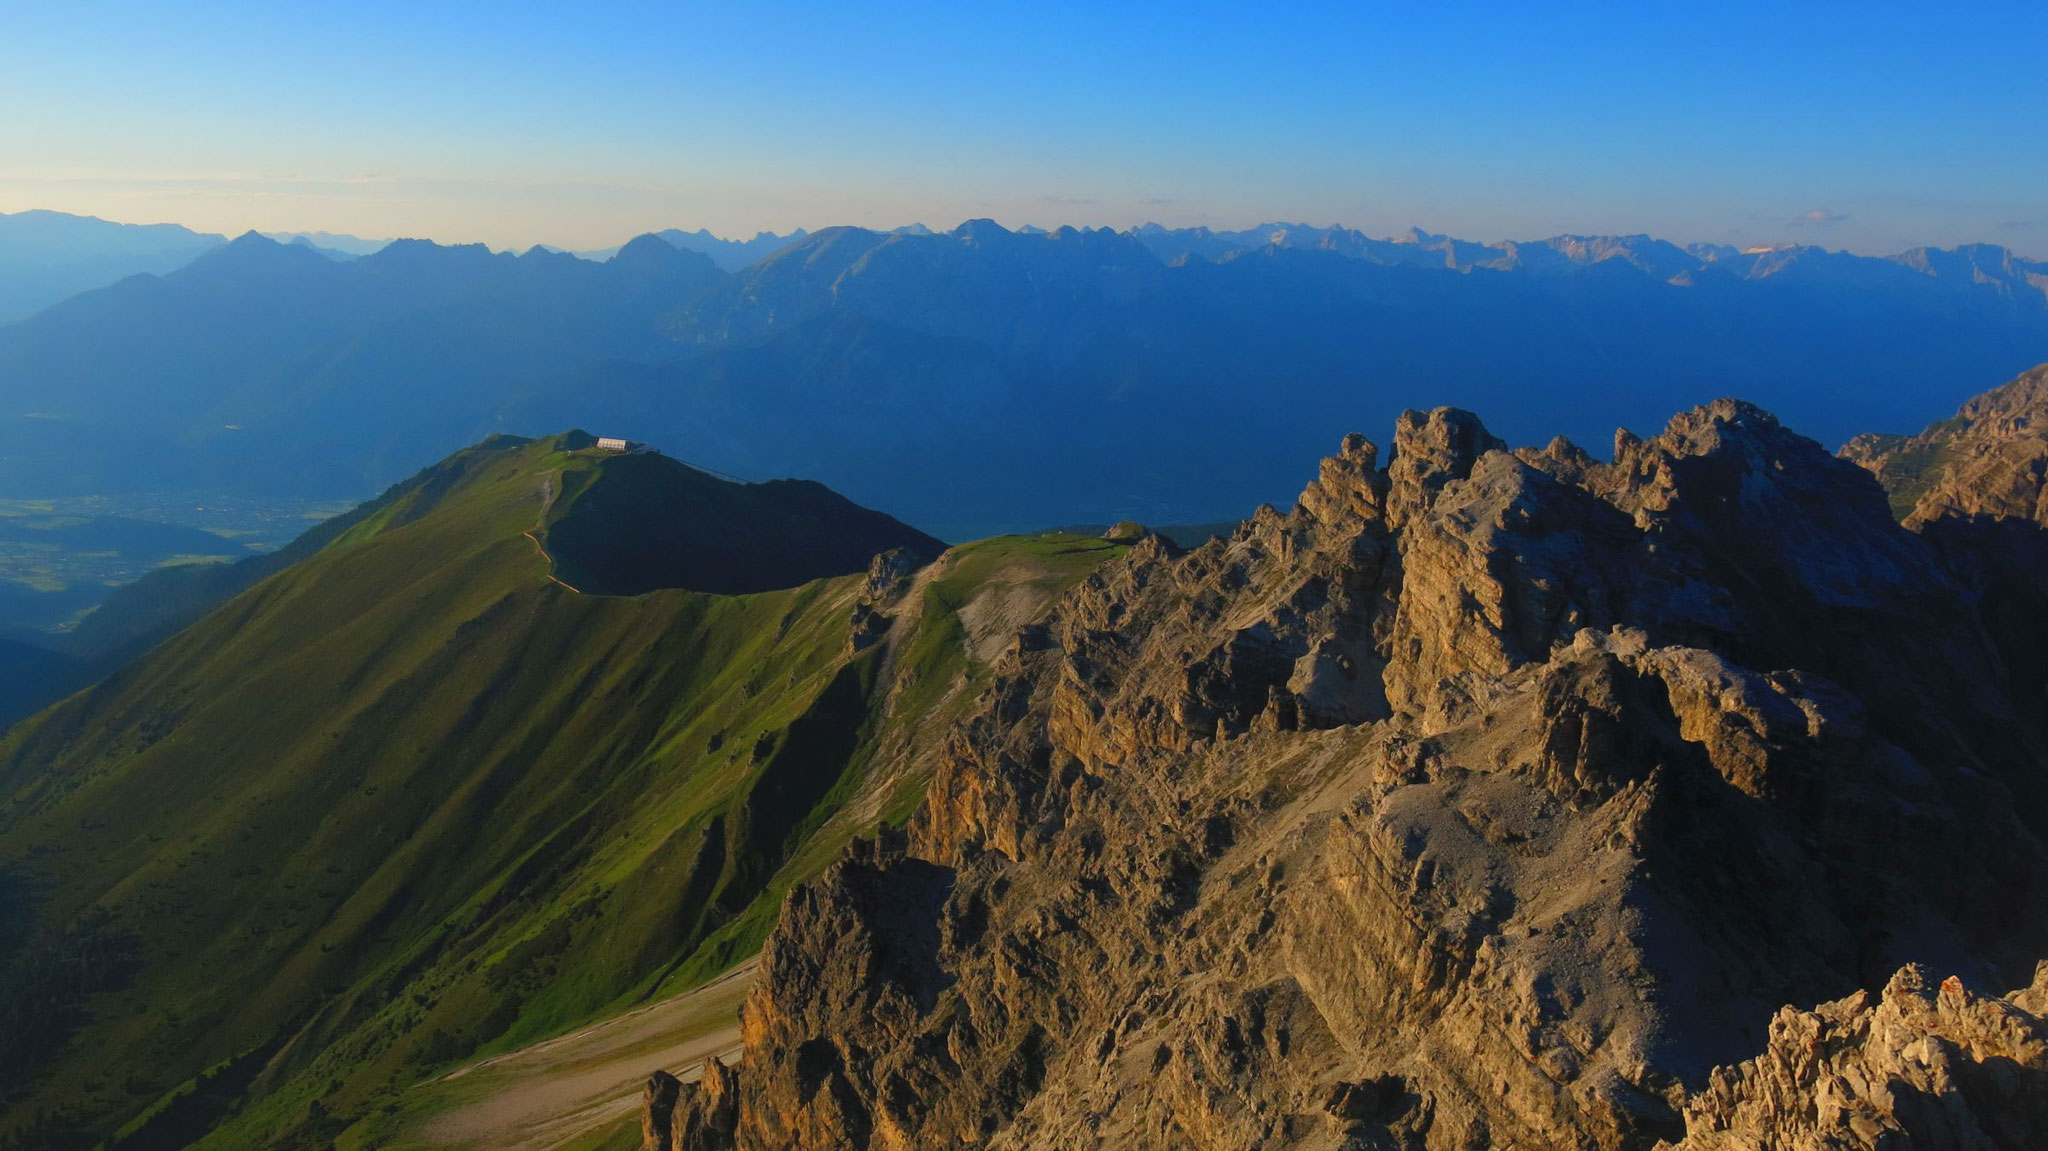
{"x":1871,"y":127}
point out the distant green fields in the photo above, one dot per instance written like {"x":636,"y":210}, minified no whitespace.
{"x":60,"y":558}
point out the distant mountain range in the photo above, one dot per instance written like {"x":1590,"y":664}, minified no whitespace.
{"x":731,"y":255}
{"x":48,"y":256}
{"x":336,"y":244}
{"x":267,"y":366}
{"x":981,"y":379}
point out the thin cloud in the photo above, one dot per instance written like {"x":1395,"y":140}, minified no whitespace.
{"x":1070,"y":201}
{"x":296,"y":183}
{"x":1819,"y":218}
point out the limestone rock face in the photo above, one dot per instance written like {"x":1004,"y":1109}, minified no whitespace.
{"x":657,"y":1112}
{"x":1488,"y":799}
{"x":700,"y":1116}
{"x":1922,"y":1066}
{"x":1990,"y":460}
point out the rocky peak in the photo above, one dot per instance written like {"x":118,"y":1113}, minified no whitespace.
{"x":1432,"y":449}
{"x":1727,"y":456}
{"x":1924,"y":1064}
{"x":1561,"y":458}
{"x":1488,"y":799}
{"x":1747,"y":494}
{"x":651,"y":256}
{"x":1349,"y":487}
{"x":981,"y":231}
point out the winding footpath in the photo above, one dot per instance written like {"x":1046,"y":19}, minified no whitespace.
{"x":540,"y":1097}
{"x":547,"y":502}
{"x":550,"y":561}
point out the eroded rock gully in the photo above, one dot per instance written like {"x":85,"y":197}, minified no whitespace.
{"x":1492,"y":799}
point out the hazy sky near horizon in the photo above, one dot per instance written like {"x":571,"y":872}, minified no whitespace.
{"x":1871,"y":127}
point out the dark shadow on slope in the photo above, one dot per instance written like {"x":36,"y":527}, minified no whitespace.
{"x":197,"y":1107}
{"x":804,"y":762}
{"x":33,"y":677}
{"x":644,"y":522}
{"x":50,"y":972}
{"x":803,"y":768}
{"x":2003,"y":564}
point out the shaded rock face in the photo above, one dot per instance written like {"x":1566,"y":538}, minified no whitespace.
{"x":1976,"y":487}
{"x":1491,"y":798}
{"x":700,"y":1116}
{"x":657,"y":1111}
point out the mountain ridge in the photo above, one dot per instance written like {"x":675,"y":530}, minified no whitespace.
{"x":1502,"y":794}
{"x":1487,"y":797}
{"x":475,"y":768}
{"x":259,"y":350}
{"x":1988,"y":460}
{"x":1097,"y":358}
{"x":47,"y":257}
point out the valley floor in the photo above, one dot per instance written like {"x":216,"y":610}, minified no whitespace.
{"x":555,"y":1093}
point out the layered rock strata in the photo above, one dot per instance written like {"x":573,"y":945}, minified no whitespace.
{"x":1989,"y":460}
{"x":1922,"y":1065}
{"x":1490,"y":798}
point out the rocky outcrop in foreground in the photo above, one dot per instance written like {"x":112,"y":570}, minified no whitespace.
{"x":675,"y":1115}
{"x":1921,"y":1066}
{"x":1488,"y":799}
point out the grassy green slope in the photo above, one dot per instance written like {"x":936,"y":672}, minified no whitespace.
{"x":142,"y":614}
{"x":1913,"y":465}
{"x":410,"y":800}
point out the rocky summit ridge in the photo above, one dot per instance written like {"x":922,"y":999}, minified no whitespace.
{"x":1989,"y":460}
{"x":1488,"y":797}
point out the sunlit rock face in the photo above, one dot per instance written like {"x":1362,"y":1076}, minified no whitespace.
{"x":1922,"y":1065}
{"x":1485,"y":798}
{"x":1988,"y":461}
